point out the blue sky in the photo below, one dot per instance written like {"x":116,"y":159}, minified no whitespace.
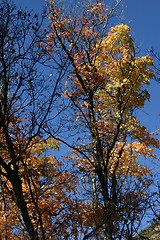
{"x":144,"y":19}
{"x":142,"y":15}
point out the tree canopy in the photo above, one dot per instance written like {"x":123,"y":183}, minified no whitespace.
{"x":71,"y":144}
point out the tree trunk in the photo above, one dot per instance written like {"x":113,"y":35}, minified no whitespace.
{"x":3,"y":206}
{"x":21,"y":203}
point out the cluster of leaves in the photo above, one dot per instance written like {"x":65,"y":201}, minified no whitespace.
{"x":47,"y":191}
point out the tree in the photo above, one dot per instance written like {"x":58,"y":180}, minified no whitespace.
{"x":99,"y":190}
{"x":46,"y":191}
{"x":106,"y":85}
{"x":28,"y":179}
